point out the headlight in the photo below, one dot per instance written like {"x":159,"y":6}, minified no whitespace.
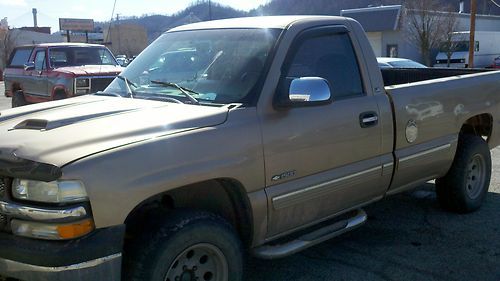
{"x":49,"y":192}
{"x":82,"y":82}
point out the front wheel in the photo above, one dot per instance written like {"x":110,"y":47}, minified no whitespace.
{"x":18,"y":99}
{"x":188,"y":245}
{"x":466,"y":184}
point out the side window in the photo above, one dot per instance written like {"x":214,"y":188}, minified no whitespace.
{"x":330,"y":57}
{"x":40,"y":60}
{"x":20,"y":57}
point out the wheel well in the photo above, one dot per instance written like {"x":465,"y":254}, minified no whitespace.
{"x":60,"y":92}
{"x":16,"y":87}
{"x":479,"y":125}
{"x":224,"y":197}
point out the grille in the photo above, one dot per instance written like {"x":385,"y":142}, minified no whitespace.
{"x":99,"y":84}
{"x":3,"y":222}
{"x":2,"y":188}
{"x":451,"y":61}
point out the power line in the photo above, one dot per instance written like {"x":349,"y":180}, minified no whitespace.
{"x":496,"y":4}
{"x":110,"y":21}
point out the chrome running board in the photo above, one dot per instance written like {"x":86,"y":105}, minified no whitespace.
{"x":310,"y":239}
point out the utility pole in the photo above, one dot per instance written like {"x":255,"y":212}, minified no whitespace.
{"x":209,"y":10}
{"x":472,"y":40}
{"x":118,"y":49}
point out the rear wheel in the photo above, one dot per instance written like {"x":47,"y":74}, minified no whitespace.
{"x":18,"y":99}
{"x":465,"y":186}
{"x":188,"y":245}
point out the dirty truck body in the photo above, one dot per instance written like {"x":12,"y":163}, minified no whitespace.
{"x":320,"y":138}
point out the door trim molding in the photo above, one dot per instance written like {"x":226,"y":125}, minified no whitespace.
{"x":317,"y":190}
{"x":425,"y":152}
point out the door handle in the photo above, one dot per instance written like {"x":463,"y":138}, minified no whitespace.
{"x":368,"y":119}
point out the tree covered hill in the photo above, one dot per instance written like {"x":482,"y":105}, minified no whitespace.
{"x":199,"y":11}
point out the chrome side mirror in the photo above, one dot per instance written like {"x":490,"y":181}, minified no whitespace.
{"x":29,"y":66}
{"x":306,"y":91}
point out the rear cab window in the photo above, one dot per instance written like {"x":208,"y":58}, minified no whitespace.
{"x":19,"y":57}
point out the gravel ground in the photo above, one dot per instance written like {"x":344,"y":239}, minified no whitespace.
{"x":407,"y":237}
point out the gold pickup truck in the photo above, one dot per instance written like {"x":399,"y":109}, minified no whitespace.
{"x":263,"y":135}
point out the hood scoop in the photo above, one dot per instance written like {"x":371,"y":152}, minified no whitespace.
{"x":32,"y":124}
{"x":42,"y":124}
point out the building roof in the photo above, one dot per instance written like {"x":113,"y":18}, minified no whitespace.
{"x":376,"y":19}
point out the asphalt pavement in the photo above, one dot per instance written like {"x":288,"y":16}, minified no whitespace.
{"x":407,"y":237}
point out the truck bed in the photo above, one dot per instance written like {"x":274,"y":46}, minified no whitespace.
{"x":437,"y":110}
{"x":396,"y":76}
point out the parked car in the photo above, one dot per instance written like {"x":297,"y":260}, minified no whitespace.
{"x":384,"y":62}
{"x":45,"y":72}
{"x":283,"y":135}
{"x":122,"y":60}
{"x":496,"y":63}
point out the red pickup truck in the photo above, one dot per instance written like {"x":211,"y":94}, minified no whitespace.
{"x":45,"y":72}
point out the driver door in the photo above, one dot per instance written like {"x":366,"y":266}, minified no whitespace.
{"x":37,"y":84}
{"x":322,"y":159}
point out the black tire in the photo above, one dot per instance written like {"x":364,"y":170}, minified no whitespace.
{"x":59,"y":96}
{"x":465,"y":186}
{"x":18,"y":99}
{"x":153,"y":254}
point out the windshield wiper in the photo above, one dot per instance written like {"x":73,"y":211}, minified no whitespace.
{"x":183,"y":90}
{"x":127,"y":84}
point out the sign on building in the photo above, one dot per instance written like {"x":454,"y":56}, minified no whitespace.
{"x":76,"y":24}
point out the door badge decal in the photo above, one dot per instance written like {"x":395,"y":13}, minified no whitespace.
{"x":284,"y":175}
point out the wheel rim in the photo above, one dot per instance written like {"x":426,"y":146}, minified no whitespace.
{"x":200,"y":262}
{"x":475,"y":177}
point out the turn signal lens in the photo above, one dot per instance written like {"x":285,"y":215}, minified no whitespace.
{"x":75,"y":230}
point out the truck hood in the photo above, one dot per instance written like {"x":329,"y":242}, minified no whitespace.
{"x":92,"y":70}
{"x":59,"y":132}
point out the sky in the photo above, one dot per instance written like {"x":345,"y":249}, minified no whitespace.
{"x":18,"y":12}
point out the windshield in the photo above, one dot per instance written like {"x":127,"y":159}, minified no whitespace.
{"x":406,"y":64}
{"x":218,"y":66}
{"x":455,"y":46}
{"x":77,"y":56}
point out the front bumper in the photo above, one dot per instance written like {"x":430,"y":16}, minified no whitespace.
{"x":106,"y":268}
{"x":96,"y":256}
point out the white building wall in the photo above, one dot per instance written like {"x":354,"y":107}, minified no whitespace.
{"x":25,"y":37}
{"x":375,"y":39}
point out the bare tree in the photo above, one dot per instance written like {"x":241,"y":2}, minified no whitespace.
{"x":8,"y":39}
{"x":427,"y":24}
{"x":451,"y":41}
